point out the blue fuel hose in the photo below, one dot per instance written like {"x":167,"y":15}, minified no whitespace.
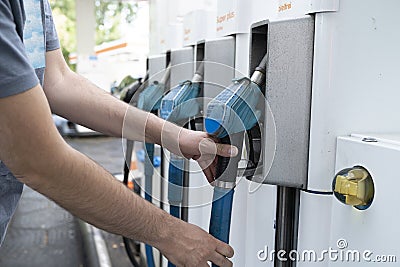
{"x":221,"y":212}
{"x":175,"y":193}
{"x":179,"y":105}
{"x":175,"y":179}
{"x":148,"y":174}
{"x":150,"y":256}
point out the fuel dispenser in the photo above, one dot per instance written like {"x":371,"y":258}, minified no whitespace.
{"x":180,"y":106}
{"x":331,"y":74}
{"x":149,"y":100}
{"x":130,"y":96}
{"x":182,"y":69}
{"x":229,"y":115}
{"x":221,"y":67}
{"x":289,"y":122}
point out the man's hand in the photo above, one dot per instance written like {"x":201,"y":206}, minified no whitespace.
{"x":204,"y":149}
{"x":192,"y":246}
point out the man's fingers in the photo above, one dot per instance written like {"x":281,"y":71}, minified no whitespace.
{"x":206,"y":170}
{"x":213,"y":169}
{"x":226,"y":150}
{"x":209,"y":175}
{"x":210,"y":147}
{"x":224,"y":249}
{"x":220,"y":260}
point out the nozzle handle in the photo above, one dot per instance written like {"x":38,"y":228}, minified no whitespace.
{"x":227,"y":167}
{"x":223,"y":162}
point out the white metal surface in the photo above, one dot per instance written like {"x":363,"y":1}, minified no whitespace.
{"x":375,"y":229}
{"x":233,"y":16}
{"x":198,"y":25}
{"x":354,"y":90}
{"x":157,"y":65}
{"x":200,"y":197}
{"x":242,"y":51}
{"x":236,"y":16}
{"x":182,"y":63}
{"x":298,"y":8}
{"x":174,"y":37}
{"x":260,"y":216}
{"x":158,"y":23}
{"x":263,"y":9}
{"x":356,"y":73}
{"x":314,"y":225}
{"x":219,"y":63}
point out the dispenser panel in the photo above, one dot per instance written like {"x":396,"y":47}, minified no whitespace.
{"x":290,"y":46}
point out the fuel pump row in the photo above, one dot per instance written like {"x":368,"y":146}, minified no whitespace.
{"x":229,"y":115}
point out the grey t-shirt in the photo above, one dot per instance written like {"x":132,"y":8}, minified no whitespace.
{"x":26,"y":32}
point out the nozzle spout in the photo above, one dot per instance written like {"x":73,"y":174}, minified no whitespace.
{"x":259,"y":74}
{"x":165,"y":79}
{"x":145,"y":81}
{"x":198,"y":76}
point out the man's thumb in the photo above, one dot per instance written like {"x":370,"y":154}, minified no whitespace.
{"x":226,"y":150}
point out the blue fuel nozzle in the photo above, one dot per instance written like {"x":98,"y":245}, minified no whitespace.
{"x":181,"y":103}
{"x":150,"y":98}
{"x":234,"y":110}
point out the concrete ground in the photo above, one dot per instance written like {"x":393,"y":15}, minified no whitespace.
{"x":43,"y":234}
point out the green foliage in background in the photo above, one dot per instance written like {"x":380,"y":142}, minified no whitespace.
{"x":109,"y":16}
{"x":65,"y":20}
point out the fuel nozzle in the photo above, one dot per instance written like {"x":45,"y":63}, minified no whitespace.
{"x":233,"y":112}
{"x":259,"y":74}
{"x":199,"y":74}
{"x":180,"y":103}
{"x":131,"y":92}
{"x":235,"y":108}
{"x":150,"y":98}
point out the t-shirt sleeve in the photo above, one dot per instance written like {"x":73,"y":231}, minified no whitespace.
{"x":16,"y":73}
{"x":52,"y":41}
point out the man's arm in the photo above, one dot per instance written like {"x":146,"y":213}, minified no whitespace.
{"x":33,"y":150}
{"x":75,"y":98}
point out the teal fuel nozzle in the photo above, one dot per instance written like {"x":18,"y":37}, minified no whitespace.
{"x":150,"y":98}
{"x":180,"y":103}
